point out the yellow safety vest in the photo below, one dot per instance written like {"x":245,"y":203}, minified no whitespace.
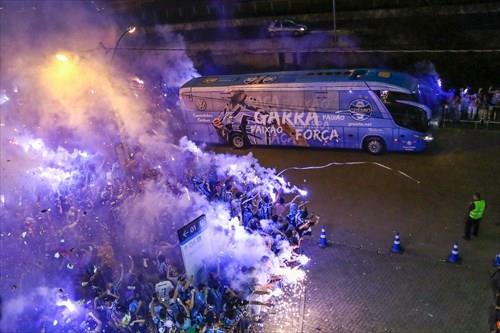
{"x":478,"y":211}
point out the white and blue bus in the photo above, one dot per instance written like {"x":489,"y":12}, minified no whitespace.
{"x":371,"y":109}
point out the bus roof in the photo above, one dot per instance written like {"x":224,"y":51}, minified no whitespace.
{"x":367,"y":75}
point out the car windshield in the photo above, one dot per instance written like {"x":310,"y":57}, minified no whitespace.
{"x":408,"y":116}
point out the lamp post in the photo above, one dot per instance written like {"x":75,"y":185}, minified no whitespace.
{"x":334,"y":20}
{"x":130,"y":30}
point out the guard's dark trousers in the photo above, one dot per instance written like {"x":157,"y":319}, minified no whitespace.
{"x":471,"y":226}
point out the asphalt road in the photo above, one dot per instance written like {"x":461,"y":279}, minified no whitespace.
{"x":355,"y":285}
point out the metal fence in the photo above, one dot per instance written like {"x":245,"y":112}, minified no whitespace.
{"x":476,"y":124}
{"x":489,"y":119}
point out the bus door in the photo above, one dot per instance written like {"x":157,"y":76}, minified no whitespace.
{"x":399,"y":138}
{"x":351,"y":137}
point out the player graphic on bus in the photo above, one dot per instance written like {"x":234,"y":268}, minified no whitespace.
{"x":232,"y":123}
{"x":236,"y":123}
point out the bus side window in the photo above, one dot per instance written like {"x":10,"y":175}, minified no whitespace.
{"x":322,"y":100}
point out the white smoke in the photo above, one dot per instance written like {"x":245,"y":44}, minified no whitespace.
{"x":87,"y":161}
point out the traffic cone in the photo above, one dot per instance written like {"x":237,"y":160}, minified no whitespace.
{"x":454,"y":257}
{"x":396,"y":245}
{"x":322,"y":238}
{"x":497,"y":261}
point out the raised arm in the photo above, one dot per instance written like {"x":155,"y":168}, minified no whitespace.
{"x":122,"y":273}
{"x":191,"y":304}
{"x":176,"y":291}
{"x":293,"y":200}
{"x":140,"y":305}
{"x":188,"y":282}
{"x":131,"y":269}
{"x":151,"y":307}
{"x":137,"y":321}
{"x":98,"y":327}
{"x":303,"y":203}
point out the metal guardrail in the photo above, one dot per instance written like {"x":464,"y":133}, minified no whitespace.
{"x":478,"y":124}
{"x":489,"y":120}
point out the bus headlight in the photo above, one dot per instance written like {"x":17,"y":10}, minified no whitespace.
{"x":428,"y":138}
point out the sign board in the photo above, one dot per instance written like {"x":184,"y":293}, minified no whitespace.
{"x":195,"y":245}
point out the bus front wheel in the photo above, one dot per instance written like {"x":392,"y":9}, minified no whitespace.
{"x":374,"y":145}
{"x":237,"y":141}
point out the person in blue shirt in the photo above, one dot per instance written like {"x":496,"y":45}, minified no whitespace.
{"x":265,"y":208}
{"x":247,"y":214}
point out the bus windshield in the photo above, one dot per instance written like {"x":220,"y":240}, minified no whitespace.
{"x":408,"y":116}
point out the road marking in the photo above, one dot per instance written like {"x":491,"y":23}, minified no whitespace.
{"x":317,"y":167}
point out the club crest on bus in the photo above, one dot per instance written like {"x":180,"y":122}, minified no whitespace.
{"x":360,"y":109}
{"x":259,"y":79}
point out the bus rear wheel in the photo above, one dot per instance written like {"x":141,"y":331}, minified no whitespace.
{"x":237,"y":141}
{"x":374,"y":145}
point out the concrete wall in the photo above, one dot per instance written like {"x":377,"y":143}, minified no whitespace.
{"x":362,"y":25}
{"x":162,"y":11}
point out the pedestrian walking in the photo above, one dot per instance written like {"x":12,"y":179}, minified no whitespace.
{"x":476,"y":212}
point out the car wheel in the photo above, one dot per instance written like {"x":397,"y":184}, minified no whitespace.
{"x":237,"y":141}
{"x":374,"y":145}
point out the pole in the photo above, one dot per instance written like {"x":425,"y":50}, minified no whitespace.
{"x":117,"y":43}
{"x":130,"y":29}
{"x":334,"y":21}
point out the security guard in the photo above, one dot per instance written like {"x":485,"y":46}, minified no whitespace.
{"x":476,"y":213}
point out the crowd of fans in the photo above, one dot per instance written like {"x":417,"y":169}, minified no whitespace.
{"x":149,"y":293}
{"x":466,"y":104}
